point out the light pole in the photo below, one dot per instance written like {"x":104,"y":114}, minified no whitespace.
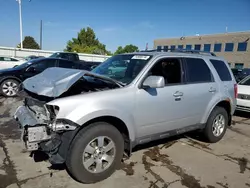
{"x":21,"y":24}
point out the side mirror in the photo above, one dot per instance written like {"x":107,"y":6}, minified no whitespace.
{"x":31,"y":69}
{"x":154,"y":82}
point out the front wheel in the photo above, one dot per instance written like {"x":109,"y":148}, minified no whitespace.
{"x":95,"y":153}
{"x":216,"y":125}
{"x":9,"y":88}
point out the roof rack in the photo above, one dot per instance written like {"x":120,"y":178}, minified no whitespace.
{"x":180,"y":50}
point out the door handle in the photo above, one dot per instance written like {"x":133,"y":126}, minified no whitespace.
{"x":178,"y":94}
{"x":212,"y":89}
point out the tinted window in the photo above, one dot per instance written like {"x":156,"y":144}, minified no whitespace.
{"x":165,"y":48}
{"x":245,"y":81}
{"x":169,"y":68}
{"x":172,"y":47}
{"x":13,"y":59}
{"x":44,"y":64}
{"x":207,"y":47}
{"x":229,"y":47}
{"x":188,"y":46}
{"x":197,"y":47}
{"x":180,"y":46}
{"x":7,"y":59}
{"x":222,"y":70}
{"x":239,"y":65}
{"x":217,"y":47}
{"x":242,"y":46}
{"x":67,"y":64}
{"x":197,"y":71}
{"x":158,"y":48}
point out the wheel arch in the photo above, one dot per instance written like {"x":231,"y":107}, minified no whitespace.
{"x":10,"y":77}
{"x":117,"y":123}
{"x":224,"y":104}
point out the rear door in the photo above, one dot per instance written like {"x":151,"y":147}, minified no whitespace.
{"x":201,"y":87}
{"x":67,"y":64}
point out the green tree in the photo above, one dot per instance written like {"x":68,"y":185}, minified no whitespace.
{"x":29,"y":43}
{"x":127,"y":49}
{"x":86,"y":42}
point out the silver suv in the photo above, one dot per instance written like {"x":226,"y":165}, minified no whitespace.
{"x":91,"y":120}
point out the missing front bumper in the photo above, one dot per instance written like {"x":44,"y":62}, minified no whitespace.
{"x":33,"y":132}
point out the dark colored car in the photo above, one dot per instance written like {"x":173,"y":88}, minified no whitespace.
{"x":11,"y":78}
{"x":88,"y":65}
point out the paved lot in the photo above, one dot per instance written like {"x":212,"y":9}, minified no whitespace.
{"x":179,"y":162}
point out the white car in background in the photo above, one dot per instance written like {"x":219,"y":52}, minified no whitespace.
{"x":243,"y":99}
{"x":9,"y":62}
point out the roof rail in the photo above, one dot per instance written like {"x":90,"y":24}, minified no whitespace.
{"x":180,"y":50}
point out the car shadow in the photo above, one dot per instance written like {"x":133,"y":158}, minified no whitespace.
{"x":40,"y":156}
{"x":167,"y":142}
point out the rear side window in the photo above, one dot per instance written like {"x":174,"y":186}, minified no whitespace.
{"x":221,"y":69}
{"x":197,"y":71}
{"x":67,"y":64}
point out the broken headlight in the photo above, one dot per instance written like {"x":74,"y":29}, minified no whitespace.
{"x":52,"y":111}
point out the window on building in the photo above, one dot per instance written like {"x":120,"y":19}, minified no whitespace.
{"x":158,"y":48}
{"x":242,"y":46}
{"x":221,"y":69}
{"x":197,"y":47}
{"x":172,"y":47}
{"x":239,"y":65}
{"x":188,"y":46}
{"x":207,"y":47}
{"x":197,"y":71}
{"x":180,"y":46}
{"x":217,"y":47}
{"x":229,"y":47}
{"x":165,"y":48}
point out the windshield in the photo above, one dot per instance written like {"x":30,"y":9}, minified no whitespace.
{"x":245,"y":81}
{"x":123,"y":68}
{"x":26,"y":64}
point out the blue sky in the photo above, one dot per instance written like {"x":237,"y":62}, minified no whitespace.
{"x":120,"y":22}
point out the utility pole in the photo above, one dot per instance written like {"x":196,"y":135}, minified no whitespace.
{"x":21,"y":24}
{"x":41,"y":34}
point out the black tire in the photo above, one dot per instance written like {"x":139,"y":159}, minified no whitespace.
{"x":74,"y":161}
{"x":208,"y":131}
{"x":11,"y":81}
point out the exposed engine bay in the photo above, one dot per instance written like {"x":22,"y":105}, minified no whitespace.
{"x":41,"y":130}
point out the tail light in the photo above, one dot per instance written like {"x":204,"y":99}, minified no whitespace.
{"x":235,"y":90}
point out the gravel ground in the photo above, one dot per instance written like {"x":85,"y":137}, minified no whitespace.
{"x":182,"y":161}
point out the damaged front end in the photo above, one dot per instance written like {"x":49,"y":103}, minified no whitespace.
{"x":42,"y":131}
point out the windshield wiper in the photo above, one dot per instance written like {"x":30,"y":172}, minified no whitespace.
{"x":120,"y":84}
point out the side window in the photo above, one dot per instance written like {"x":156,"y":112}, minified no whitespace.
{"x":1,"y":59}
{"x":13,"y":59}
{"x":67,"y":64}
{"x":197,"y":71}
{"x":7,"y":59}
{"x":44,"y":64}
{"x":222,"y":70}
{"x":170,"y":69}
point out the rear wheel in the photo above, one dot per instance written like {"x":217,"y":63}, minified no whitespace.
{"x":9,"y":87}
{"x":95,"y":153}
{"x":216,"y":125}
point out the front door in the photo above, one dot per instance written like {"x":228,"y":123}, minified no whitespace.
{"x":163,"y":109}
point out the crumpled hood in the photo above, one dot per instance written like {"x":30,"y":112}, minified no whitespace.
{"x":53,"y":82}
